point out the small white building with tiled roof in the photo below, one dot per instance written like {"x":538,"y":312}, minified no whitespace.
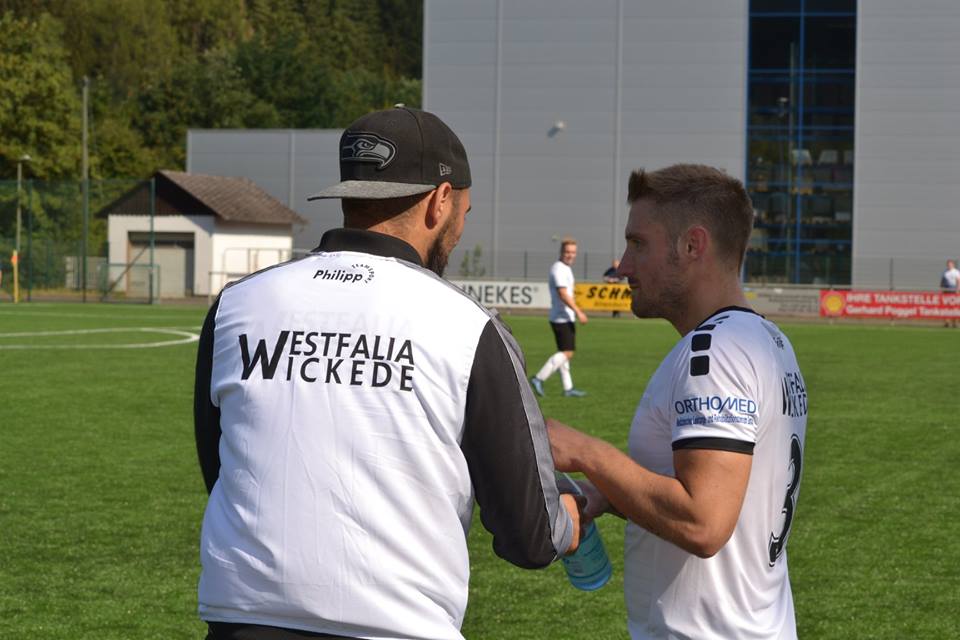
{"x":204,"y":232}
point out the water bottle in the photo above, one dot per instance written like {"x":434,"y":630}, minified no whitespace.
{"x":589,"y":567}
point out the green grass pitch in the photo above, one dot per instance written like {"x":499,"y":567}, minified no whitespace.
{"x":101,"y":496}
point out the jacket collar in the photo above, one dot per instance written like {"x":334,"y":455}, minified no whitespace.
{"x":363,"y":241}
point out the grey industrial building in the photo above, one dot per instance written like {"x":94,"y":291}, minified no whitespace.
{"x":842,"y":117}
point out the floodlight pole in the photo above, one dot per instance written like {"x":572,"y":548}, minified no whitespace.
{"x":16,"y":248}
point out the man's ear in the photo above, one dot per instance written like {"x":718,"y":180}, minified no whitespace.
{"x":439,"y":206}
{"x":694,"y":242}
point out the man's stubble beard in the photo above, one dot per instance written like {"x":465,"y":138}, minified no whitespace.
{"x":437,"y":255}
{"x":671,"y":299}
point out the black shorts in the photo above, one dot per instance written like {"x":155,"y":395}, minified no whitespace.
{"x":565,"y":334}
{"x":232,"y":631}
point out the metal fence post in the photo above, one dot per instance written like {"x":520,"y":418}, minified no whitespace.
{"x":153,"y":204}
{"x":30,"y":241}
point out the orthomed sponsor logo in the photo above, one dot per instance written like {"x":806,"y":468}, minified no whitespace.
{"x":330,"y":357}
{"x":794,"y":395}
{"x":700,"y":404}
{"x":362,"y":273}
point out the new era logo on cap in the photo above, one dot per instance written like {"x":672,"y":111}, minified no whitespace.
{"x":362,"y":146}
{"x":396,"y":153}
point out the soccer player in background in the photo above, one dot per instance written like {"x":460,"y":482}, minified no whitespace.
{"x":710,"y":485}
{"x":564,"y":314}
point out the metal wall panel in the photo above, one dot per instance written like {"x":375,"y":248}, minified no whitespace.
{"x":564,"y":98}
{"x":907,"y":170}
{"x":556,"y":102}
{"x":288,"y":164}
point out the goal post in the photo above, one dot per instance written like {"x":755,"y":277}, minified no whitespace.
{"x":134,"y":282}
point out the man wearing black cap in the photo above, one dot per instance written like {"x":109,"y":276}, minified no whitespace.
{"x":351,"y":405}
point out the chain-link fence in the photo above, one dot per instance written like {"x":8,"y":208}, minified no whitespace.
{"x":477,"y":262}
{"x":64,"y":251}
{"x":759,"y":268}
{"x":58,"y":233}
{"x":900,"y":273}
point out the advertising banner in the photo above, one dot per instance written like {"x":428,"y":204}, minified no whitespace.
{"x":782,"y":301}
{"x":592,"y":296}
{"x":896,"y":305}
{"x":505,"y":294}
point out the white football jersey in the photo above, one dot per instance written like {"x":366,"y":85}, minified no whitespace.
{"x":561,"y":275}
{"x":350,"y":408}
{"x":731,"y":384}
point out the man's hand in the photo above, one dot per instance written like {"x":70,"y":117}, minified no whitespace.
{"x":571,"y":503}
{"x":597,"y":503}
{"x":581,"y":316}
{"x":593,"y":503}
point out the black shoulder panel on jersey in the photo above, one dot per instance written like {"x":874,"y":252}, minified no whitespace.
{"x":717,"y":444}
{"x":700,"y":342}
{"x":206,"y":416}
{"x":501,"y":455}
{"x":699,"y":365}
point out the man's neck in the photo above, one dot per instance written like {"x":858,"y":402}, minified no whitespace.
{"x":705,"y":298}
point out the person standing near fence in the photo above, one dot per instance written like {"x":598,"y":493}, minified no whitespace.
{"x":564,"y":314}
{"x":950,"y":283}
{"x":610,"y":276}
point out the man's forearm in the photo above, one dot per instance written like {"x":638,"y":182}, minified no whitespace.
{"x":569,"y":301}
{"x":660,"y":504}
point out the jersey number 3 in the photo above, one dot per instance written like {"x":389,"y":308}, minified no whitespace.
{"x":779,"y":541}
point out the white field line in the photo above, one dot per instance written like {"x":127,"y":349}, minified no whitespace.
{"x":186,"y":337}
{"x":53,"y":313}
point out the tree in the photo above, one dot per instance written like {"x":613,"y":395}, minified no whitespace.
{"x":472,"y":264}
{"x":401,"y":22}
{"x":204,"y":25}
{"x":159,"y":67}
{"x":285,"y":70}
{"x":207,"y":93}
{"x":123,"y":43}
{"x":39,"y":99}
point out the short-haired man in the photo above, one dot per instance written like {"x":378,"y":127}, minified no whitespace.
{"x":564,"y":314}
{"x":351,"y":405}
{"x":710,"y":486}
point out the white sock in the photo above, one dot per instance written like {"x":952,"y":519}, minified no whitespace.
{"x":565,"y":376}
{"x":553,"y":363}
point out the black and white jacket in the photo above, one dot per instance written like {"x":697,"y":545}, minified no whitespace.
{"x":349,"y":408}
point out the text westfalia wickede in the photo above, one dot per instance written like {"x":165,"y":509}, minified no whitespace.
{"x":331,"y":357}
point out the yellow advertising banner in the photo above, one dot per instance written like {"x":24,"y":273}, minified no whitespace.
{"x":602,"y":297}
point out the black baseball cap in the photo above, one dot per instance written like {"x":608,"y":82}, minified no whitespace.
{"x":395,"y":153}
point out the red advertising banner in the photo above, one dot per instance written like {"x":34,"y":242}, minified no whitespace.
{"x":897,"y":305}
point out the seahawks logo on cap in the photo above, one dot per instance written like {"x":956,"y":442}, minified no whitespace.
{"x":367,"y":147}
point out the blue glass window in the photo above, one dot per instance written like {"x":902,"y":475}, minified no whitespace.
{"x":801,"y":91}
